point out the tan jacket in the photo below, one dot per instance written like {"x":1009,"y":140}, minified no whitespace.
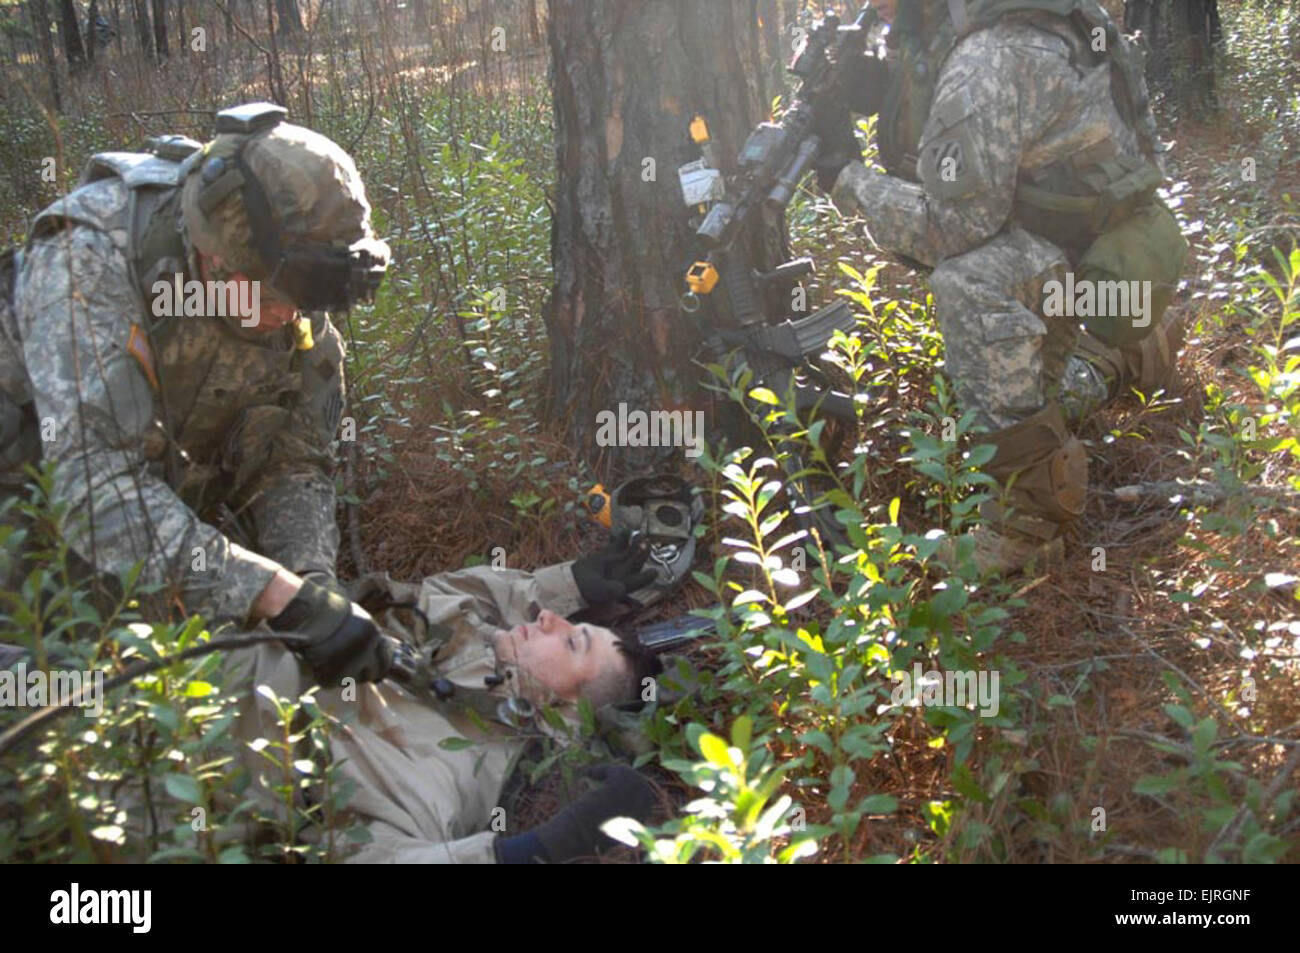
{"x":423,"y":803}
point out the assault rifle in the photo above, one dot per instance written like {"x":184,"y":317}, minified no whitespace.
{"x":748,"y":294}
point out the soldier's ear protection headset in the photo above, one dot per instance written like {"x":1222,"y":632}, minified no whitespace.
{"x":315,"y":277}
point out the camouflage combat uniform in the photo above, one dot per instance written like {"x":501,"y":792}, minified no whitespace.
{"x":1014,"y":103}
{"x":159,"y":427}
{"x":1015,"y":144}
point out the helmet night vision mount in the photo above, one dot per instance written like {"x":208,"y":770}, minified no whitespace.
{"x":314,"y":276}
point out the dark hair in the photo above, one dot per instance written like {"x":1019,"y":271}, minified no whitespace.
{"x":644,"y":664}
{"x":621,"y":687}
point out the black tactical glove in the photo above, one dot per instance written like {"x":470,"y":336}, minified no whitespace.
{"x":344,"y":639}
{"x":575,"y":831}
{"x":615,"y":571}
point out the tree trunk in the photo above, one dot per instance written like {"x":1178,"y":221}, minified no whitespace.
{"x":184,"y":44}
{"x":92,"y":31}
{"x":289,"y":15}
{"x":1182,"y":38}
{"x":73,"y":48}
{"x":627,"y":77}
{"x":45,"y":45}
{"x":160,"y":28}
{"x":117,"y":25}
{"x":143,"y":28}
{"x":534,"y":24}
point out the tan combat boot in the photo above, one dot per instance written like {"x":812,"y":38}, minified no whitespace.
{"x":1045,"y":473}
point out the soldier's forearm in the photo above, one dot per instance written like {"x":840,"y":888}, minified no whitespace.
{"x":902,"y":218}
{"x":122,"y":517}
{"x":279,"y":592}
{"x":294,"y":521}
{"x":895,"y":211}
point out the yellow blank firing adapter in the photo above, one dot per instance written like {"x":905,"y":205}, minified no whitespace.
{"x":302,"y":337}
{"x":699,"y":131}
{"x":701,"y":277}
{"x":598,"y":505}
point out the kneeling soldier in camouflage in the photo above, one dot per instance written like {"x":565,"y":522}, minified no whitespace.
{"x":1021,"y":149}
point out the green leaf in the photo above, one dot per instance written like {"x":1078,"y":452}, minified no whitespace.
{"x":742,"y":732}
{"x":1158,"y":783}
{"x":878,"y":804}
{"x":183,"y":788}
{"x":455,"y":743}
{"x":715,"y":751}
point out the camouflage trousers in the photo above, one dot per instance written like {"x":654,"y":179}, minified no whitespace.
{"x":1005,"y":358}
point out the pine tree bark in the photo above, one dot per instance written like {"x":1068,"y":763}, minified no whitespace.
{"x":627,"y":77}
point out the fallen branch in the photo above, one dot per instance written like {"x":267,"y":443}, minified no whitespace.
{"x":1204,"y":493}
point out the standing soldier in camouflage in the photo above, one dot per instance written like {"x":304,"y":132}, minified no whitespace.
{"x":1020,"y":146}
{"x":174,"y":428}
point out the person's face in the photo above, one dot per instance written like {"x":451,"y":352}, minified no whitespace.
{"x":561,"y":656}
{"x":273,"y":311}
{"x":886,"y":9}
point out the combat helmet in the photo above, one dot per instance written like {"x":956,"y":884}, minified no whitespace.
{"x":285,"y":206}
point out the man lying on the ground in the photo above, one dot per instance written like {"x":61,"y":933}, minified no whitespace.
{"x":494,"y":638}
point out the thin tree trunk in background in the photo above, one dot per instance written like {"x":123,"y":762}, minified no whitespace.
{"x":627,"y":77}
{"x":160,"y":28}
{"x":273,"y":78}
{"x":73,"y":49}
{"x":534,"y":24}
{"x":143,"y":29}
{"x":117,"y":25}
{"x":45,"y":46}
{"x":184,"y":44}
{"x":92,"y":31}
{"x":290,"y":16}
{"x":1182,"y":38}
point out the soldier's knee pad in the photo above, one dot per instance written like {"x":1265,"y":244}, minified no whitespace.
{"x":1044,"y":468}
{"x":1149,"y":365}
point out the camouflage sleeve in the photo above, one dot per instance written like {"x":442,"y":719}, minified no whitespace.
{"x":95,"y":406}
{"x":289,"y":463}
{"x":998,"y":92}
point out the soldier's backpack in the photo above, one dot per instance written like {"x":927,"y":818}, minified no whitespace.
{"x":153,"y":243}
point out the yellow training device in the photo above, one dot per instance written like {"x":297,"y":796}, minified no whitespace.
{"x":701,"y":277}
{"x":598,"y":506}
{"x":699,"y":130}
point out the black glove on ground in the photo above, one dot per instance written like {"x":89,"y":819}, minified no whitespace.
{"x":615,"y":571}
{"x":575,"y":831}
{"x":344,"y":639}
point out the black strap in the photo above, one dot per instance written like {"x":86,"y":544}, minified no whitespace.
{"x":266,"y":236}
